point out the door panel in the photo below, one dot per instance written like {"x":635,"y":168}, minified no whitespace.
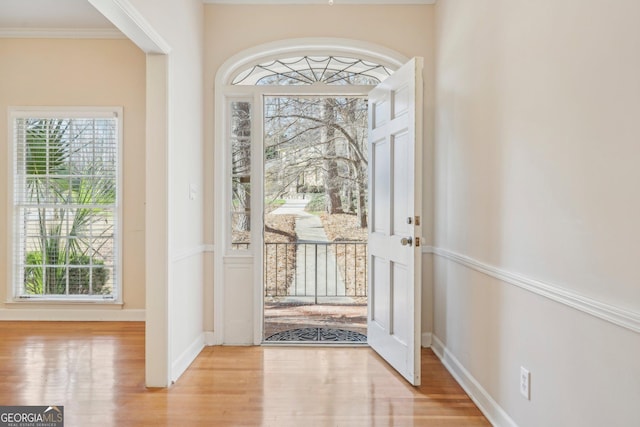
{"x":399,"y":326}
{"x":380,"y":309}
{"x":380,"y":164}
{"x":401,"y":193}
{"x":395,"y":197}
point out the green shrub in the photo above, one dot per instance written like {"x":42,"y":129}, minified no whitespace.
{"x":316,"y":204}
{"x":78,"y":274}
{"x":316,"y":189}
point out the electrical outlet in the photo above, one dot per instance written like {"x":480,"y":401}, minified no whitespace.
{"x":525,"y":380}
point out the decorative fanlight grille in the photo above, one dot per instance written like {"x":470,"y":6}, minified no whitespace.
{"x":309,"y":70}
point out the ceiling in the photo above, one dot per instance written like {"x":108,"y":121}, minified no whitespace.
{"x":60,"y":14}
{"x":20,"y":17}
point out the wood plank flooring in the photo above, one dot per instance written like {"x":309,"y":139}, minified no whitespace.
{"x":96,"y":370}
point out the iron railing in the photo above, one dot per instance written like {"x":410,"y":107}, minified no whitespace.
{"x":313,"y":270}
{"x":240,"y":246}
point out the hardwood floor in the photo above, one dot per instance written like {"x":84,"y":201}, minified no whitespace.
{"x":96,"y":370}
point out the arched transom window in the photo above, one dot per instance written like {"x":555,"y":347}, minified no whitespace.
{"x":314,"y":70}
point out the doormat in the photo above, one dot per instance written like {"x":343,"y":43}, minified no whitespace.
{"x":318,"y":334}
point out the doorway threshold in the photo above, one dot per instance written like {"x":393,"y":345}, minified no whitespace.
{"x":327,"y":344}
{"x":320,"y":324}
{"x":318,"y":335}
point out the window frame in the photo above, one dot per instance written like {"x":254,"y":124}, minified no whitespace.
{"x":13,"y":292}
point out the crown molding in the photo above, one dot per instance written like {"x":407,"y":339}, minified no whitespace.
{"x":133,"y":24}
{"x":61,"y":33}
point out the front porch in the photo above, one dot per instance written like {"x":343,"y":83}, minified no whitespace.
{"x":314,"y":280}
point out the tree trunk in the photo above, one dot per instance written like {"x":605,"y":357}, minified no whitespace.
{"x":244,"y":220}
{"x":332,"y":179}
{"x":362,"y":203}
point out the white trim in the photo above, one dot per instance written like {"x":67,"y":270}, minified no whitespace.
{"x":427,"y":249}
{"x":217,"y":337}
{"x":189,"y":252}
{"x":224,"y":92}
{"x":326,"y":2}
{"x":111,"y":112}
{"x":238,"y":259}
{"x":10,"y":219}
{"x":61,"y":33}
{"x":187,"y":357}
{"x":427,"y":339}
{"x":66,"y":314}
{"x":327,"y":45}
{"x":209,"y":248}
{"x":489,"y":407}
{"x":257,"y":205}
{"x":58,"y":300}
{"x":209,"y":338}
{"x":75,"y":112}
{"x":127,"y":19}
{"x":618,"y":316}
{"x":157,"y":251}
{"x":119,"y":269}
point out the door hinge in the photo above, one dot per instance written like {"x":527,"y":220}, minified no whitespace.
{"x":417,"y":241}
{"x":417,"y":221}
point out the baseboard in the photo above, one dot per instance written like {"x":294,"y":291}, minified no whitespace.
{"x":209,"y":338}
{"x":187,"y":357}
{"x":73,"y":315}
{"x":426,"y":339}
{"x":494,"y":413}
{"x":437,"y":347}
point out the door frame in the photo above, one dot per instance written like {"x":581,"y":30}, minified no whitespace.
{"x":252,"y":259}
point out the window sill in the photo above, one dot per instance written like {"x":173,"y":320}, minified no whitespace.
{"x":62,"y":302}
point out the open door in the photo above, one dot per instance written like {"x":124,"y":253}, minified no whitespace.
{"x":395,"y":204}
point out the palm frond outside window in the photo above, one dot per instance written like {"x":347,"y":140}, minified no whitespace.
{"x":65,"y":203}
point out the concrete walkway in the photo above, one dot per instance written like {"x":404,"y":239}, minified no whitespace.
{"x":292,"y":207}
{"x":316,"y":270}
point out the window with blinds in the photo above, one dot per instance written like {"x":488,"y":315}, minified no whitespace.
{"x":65,"y":201}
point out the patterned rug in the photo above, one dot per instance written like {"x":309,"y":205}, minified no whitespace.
{"x":318,"y":334}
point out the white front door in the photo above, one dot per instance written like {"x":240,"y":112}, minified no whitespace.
{"x":395,"y":204}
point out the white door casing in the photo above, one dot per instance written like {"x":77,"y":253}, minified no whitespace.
{"x":395,"y":204}
{"x":235,"y":320}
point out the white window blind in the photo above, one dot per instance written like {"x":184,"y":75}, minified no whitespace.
{"x":65,"y":199}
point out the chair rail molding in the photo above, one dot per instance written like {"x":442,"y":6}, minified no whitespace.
{"x":618,"y":316}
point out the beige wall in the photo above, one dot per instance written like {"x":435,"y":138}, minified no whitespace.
{"x":56,"y":72}
{"x":230,"y":29}
{"x":537,"y":175}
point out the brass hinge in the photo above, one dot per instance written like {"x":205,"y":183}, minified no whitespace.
{"x":417,"y":241}
{"x":417,"y":221}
